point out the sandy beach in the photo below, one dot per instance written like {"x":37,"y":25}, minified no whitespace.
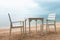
{"x":51,"y":35}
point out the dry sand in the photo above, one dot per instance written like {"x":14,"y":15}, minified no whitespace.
{"x":51,"y":35}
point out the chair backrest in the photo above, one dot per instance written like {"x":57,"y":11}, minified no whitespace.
{"x":52,"y":16}
{"x":10,"y":20}
{"x":9,"y":17}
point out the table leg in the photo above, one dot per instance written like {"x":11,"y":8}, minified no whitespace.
{"x":29,"y":26}
{"x":25,"y":26}
{"x":41,"y":26}
{"x":36,"y":25}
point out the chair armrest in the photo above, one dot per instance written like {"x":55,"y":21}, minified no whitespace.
{"x":17,"y":21}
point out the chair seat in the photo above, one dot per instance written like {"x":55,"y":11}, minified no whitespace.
{"x":50,"y":20}
{"x":50,"y":24}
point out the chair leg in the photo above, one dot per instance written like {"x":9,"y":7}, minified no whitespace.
{"x":47,"y":26}
{"x":21,"y":34}
{"x":10,"y":34}
{"x":55,"y":27}
{"x":23,"y":30}
{"x":21,"y":37}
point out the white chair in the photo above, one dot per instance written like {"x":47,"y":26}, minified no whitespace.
{"x":12,"y":27}
{"x":51,"y":18}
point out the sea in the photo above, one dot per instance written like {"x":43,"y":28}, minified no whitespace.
{"x":4,"y":22}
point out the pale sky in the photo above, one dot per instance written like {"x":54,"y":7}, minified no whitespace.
{"x":21,"y":9}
